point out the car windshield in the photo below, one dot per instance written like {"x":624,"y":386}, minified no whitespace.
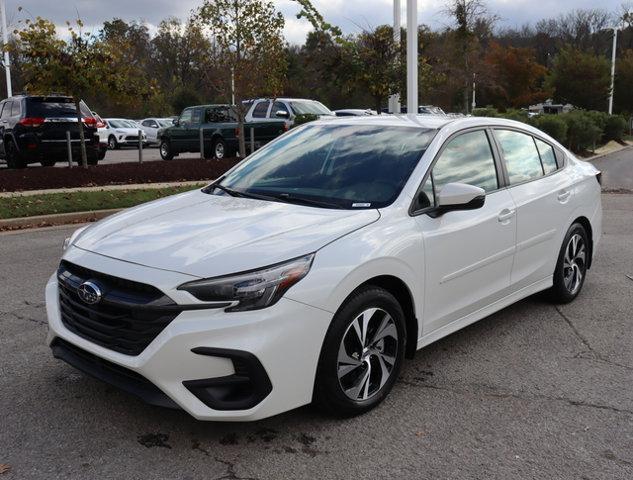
{"x":166,"y":123}
{"x":338,"y":166}
{"x":308,"y":107}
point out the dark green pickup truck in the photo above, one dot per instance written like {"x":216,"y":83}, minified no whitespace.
{"x":220,"y":129}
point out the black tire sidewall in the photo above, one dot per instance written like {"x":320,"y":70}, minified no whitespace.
{"x":167,"y":146}
{"x":328,"y":392}
{"x":13,"y":156}
{"x":559,"y":292}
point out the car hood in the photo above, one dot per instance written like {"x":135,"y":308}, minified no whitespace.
{"x":209,"y":235}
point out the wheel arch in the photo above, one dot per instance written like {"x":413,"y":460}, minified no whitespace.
{"x":399,"y":289}
{"x":584,"y":221}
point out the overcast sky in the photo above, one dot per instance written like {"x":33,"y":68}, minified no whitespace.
{"x":351,"y":15}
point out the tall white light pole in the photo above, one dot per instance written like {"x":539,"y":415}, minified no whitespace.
{"x":474,"y":105}
{"x":615,"y":47}
{"x":412,"y":57}
{"x":5,"y":38}
{"x":394,"y":100}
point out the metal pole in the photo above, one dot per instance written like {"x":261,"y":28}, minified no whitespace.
{"x":5,"y":39}
{"x":412,"y":57}
{"x":394,"y":100}
{"x":201,"y":143}
{"x":140,"y":146}
{"x":615,"y":46}
{"x":252,"y":139}
{"x":70,"y":149}
{"x":232,"y":86}
{"x":474,"y":91}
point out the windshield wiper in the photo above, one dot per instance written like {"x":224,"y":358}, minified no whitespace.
{"x":238,"y":193}
{"x":230,"y":191}
{"x":307,"y":201}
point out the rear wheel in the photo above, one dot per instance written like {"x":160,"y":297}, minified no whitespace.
{"x":14,"y":159}
{"x":362,"y":353}
{"x":571,"y":267}
{"x":165,"y":150}
{"x":219,"y":148}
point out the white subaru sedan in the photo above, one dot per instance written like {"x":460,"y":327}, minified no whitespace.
{"x":314,"y":267}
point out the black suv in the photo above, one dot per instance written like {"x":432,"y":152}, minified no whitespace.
{"x":33,"y":129}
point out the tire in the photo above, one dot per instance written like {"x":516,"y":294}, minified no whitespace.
{"x":571,"y":266}
{"x":13,"y":157}
{"x":112,"y":143}
{"x":165,"y":150}
{"x":48,"y":163}
{"x":93,"y":161}
{"x":219,"y":149}
{"x":341,"y":386}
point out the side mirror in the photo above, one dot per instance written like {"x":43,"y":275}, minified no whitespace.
{"x":282,"y":114}
{"x":459,"y":196}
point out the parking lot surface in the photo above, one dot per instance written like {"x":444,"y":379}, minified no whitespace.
{"x":534,"y":391}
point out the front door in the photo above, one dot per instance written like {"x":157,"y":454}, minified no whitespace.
{"x":468,"y":254}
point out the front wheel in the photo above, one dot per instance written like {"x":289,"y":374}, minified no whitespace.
{"x":571,"y":267}
{"x":362,"y":353}
{"x":112,"y":143}
{"x":165,"y":150}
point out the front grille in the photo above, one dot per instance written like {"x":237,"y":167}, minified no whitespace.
{"x":129,"y":316}
{"x":132,"y":138}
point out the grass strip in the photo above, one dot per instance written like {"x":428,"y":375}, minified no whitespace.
{"x":52,"y":203}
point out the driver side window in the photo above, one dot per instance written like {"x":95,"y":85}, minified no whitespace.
{"x":467,"y":159}
{"x":185,"y":118}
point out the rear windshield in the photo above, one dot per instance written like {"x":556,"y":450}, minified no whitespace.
{"x":54,"y":107}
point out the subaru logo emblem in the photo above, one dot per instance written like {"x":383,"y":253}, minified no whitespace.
{"x":89,"y":293}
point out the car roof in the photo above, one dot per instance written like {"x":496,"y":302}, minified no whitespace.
{"x":429,"y":121}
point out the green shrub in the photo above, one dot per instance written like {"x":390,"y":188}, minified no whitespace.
{"x":614,"y":128}
{"x":305,"y":118}
{"x":583,"y":129}
{"x":485,"y":112}
{"x":554,"y":125}
{"x":514,"y":114}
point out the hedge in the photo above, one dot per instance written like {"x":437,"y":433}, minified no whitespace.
{"x":579,"y":129}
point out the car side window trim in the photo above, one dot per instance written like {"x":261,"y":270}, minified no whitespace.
{"x":501,"y":181}
{"x":556,"y":151}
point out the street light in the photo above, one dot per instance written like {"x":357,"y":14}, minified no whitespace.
{"x":615,"y":47}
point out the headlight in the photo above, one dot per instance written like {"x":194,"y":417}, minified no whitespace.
{"x":254,"y":289}
{"x":69,"y":240}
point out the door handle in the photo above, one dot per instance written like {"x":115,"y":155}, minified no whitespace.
{"x":506,"y":215}
{"x":564,"y":196}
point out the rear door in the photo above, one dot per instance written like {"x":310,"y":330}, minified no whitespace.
{"x":468,"y":254}
{"x":542,"y":192}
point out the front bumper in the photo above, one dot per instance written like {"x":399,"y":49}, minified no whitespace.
{"x":195,"y":353}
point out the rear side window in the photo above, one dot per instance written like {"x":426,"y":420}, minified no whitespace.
{"x":2,"y":109}
{"x":521,"y":156}
{"x":15,"y":109}
{"x":466,"y":159}
{"x":548,"y":157}
{"x":260,"y":110}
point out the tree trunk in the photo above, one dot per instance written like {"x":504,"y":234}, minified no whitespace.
{"x":82,"y":138}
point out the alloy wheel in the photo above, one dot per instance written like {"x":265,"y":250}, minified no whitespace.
{"x":219,"y":150}
{"x":574,"y":263}
{"x":367,"y":354}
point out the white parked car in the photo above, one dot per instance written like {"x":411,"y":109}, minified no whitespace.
{"x":154,"y":126}
{"x":310,"y":270}
{"x":120,"y":132}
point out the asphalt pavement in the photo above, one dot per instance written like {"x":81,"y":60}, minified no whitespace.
{"x":536,"y":391}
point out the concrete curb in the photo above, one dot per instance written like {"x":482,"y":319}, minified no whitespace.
{"x":134,"y":186}
{"x":53,"y":220}
{"x":598,"y":157}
